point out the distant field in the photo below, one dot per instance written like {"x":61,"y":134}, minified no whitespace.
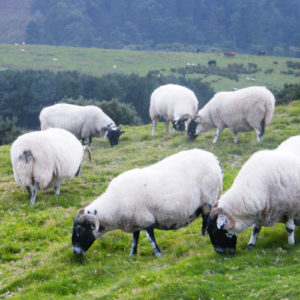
{"x":36,"y":259}
{"x":99,"y":61}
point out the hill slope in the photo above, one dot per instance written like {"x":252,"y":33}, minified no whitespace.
{"x":36,"y":260}
{"x":270,"y":71}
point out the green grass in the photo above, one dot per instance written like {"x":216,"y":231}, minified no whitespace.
{"x":36,"y":259}
{"x":99,"y":61}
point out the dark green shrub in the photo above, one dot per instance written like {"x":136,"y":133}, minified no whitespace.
{"x":289,"y":93}
{"x":121,"y":113}
{"x":8,"y":130}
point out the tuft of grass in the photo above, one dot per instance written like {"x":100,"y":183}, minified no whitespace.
{"x":36,"y":259}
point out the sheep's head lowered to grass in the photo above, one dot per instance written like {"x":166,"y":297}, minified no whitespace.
{"x":113,"y":135}
{"x":86,"y":229}
{"x":220,"y":222}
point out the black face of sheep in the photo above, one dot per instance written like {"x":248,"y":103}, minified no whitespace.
{"x":221,"y":238}
{"x":179,"y":125}
{"x":192,"y":129}
{"x":113,"y":136}
{"x":82,"y":236}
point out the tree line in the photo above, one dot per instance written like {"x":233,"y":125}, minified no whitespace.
{"x":23,"y":94}
{"x":246,"y":25}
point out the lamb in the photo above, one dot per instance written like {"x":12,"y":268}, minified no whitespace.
{"x":241,"y":110}
{"x":174,"y":103}
{"x":85,"y":122}
{"x":45,"y":159}
{"x":266,"y":191}
{"x":167,"y":195}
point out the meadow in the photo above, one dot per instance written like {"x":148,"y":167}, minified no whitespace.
{"x":36,"y":259}
{"x":102,"y":61}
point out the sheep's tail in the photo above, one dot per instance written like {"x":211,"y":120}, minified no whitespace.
{"x":88,"y":150}
{"x":270,"y":107}
{"x":23,"y":168}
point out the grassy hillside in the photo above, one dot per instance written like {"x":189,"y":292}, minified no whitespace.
{"x":36,"y":259}
{"x":99,"y":61}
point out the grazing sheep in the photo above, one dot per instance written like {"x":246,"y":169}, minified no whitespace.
{"x":45,"y":159}
{"x":266,"y":191}
{"x":174,"y":103}
{"x":241,"y":110}
{"x":85,"y":122}
{"x":167,"y":195}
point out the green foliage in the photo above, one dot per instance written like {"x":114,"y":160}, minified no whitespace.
{"x":289,"y":93}
{"x":36,"y":259}
{"x":169,"y":25}
{"x":121,"y":113}
{"x":8,"y":130}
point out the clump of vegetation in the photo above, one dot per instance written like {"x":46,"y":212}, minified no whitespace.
{"x":293,"y":64}
{"x":289,"y":93}
{"x":8,"y":130}
{"x":231,"y":71}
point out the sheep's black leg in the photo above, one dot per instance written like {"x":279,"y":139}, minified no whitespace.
{"x":90,"y":140}
{"x":33,"y":196}
{"x":204,"y":222}
{"x":255,"y":232}
{"x":135,"y":240}
{"x":151,"y":238}
{"x":28,"y":190}
{"x":290,"y":228}
{"x":83,"y":141}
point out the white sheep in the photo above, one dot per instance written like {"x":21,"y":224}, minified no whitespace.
{"x":85,"y":122}
{"x":241,"y":110}
{"x":45,"y":159}
{"x":266,"y":191}
{"x":174,"y":103}
{"x":167,"y":195}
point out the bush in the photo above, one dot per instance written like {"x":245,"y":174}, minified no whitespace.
{"x":289,"y":93}
{"x":121,"y":113}
{"x":8,"y":130}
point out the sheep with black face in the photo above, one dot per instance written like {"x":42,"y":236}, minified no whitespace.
{"x":85,"y":122}
{"x":174,"y":103}
{"x":251,"y":108}
{"x":266,"y":191}
{"x":167,"y":195}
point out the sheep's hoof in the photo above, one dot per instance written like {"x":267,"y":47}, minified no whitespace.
{"x":158,"y":254}
{"x":250,"y":246}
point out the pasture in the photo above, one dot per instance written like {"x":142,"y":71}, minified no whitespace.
{"x":36,"y":259}
{"x":102,"y":61}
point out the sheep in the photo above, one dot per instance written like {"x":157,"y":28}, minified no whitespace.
{"x":266,"y":191}
{"x":85,"y":122}
{"x":174,"y":103}
{"x":167,"y":195}
{"x":45,"y":159}
{"x":241,"y":110}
